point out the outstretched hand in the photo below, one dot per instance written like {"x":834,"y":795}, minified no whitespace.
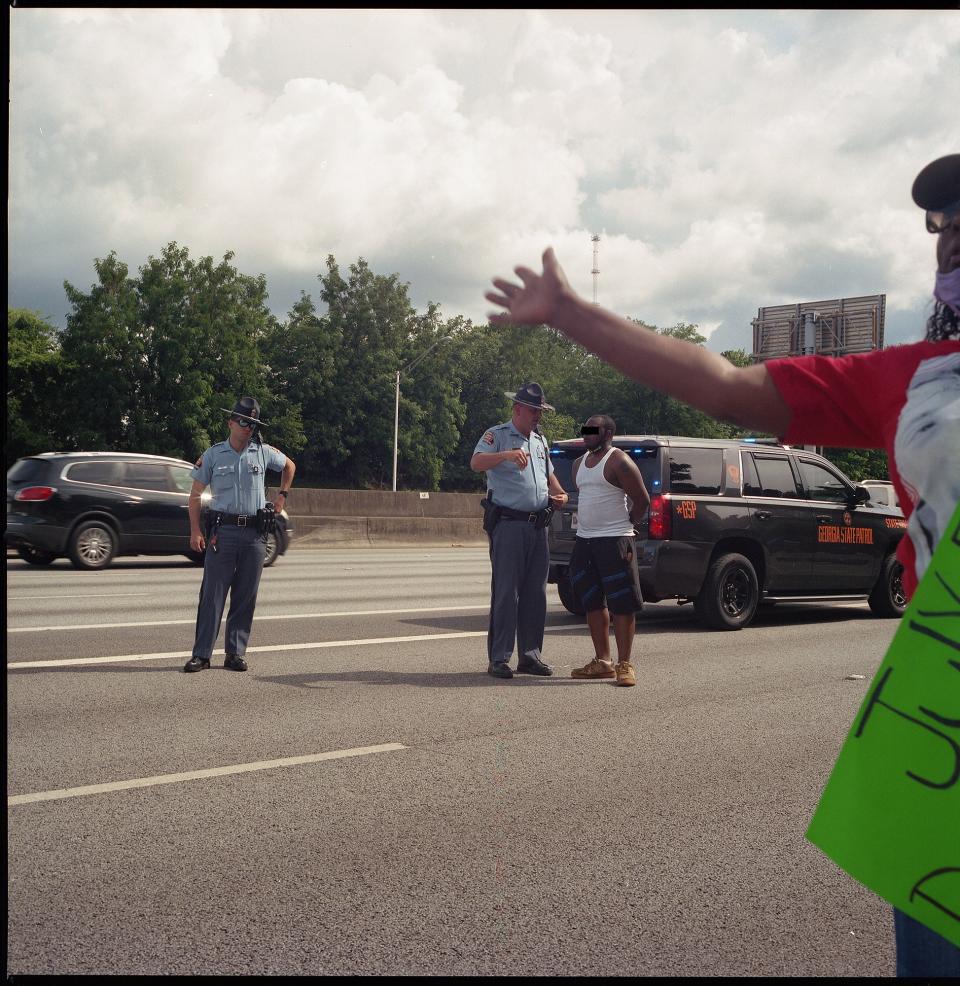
{"x":537,"y":301}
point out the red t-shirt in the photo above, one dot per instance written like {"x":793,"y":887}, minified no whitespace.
{"x":855,"y":402}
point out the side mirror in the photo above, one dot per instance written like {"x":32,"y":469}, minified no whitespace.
{"x":860,"y":495}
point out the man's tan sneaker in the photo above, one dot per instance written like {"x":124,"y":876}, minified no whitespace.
{"x":595,"y":669}
{"x":625,"y":674}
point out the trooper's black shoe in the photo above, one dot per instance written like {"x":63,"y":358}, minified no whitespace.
{"x":533,"y":665}
{"x":234,"y":663}
{"x":500,"y":669}
{"x":197,"y":664}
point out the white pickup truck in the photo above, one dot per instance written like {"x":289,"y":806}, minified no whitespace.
{"x":882,"y":491}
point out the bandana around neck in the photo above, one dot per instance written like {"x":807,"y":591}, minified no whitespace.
{"x":947,"y":289}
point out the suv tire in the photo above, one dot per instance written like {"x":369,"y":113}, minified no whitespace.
{"x":888,"y":598}
{"x":730,"y":594}
{"x":568,"y":597}
{"x":92,"y":545}
{"x":271,"y":550}
{"x":35,"y":556}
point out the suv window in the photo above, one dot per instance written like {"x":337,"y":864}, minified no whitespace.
{"x":822,"y":484}
{"x":646,"y":459}
{"x":696,"y":470}
{"x":147,"y":476}
{"x":27,"y":471}
{"x":751,"y":481}
{"x":104,"y":472}
{"x":775,"y":477}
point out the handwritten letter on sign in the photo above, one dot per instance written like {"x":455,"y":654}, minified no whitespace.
{"x":890,"y":813}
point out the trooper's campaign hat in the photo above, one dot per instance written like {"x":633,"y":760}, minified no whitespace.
{"x":938,"y":184}
{"x":246,"y":407}
{"x":530,"y":394}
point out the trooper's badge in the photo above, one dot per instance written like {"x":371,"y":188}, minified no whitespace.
{"x":488,"y":438}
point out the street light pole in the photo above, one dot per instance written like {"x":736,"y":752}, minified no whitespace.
{"x":396,"y":404}
{"x":396,"y":425}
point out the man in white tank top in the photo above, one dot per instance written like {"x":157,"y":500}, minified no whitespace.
{"x":603,"y":566}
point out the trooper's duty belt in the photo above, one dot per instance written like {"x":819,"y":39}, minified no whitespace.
{"x":264,"y":520}
{"x":241,"y":520}
{"x":493,"y":513}
{"x":530,"y":516}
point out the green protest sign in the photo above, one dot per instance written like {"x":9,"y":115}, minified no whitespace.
{"x":890,"y":813}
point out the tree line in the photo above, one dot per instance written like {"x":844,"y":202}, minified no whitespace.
{"x":146,"y":362}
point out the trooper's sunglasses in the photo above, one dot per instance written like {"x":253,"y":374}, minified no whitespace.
{"x":589,"y":430}
{"x":244,"y":422}
{"x":939,"y":219}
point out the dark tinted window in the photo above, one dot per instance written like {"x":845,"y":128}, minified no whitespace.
{"x":696,"y":470}
{"x":147,"y":476}
{"x":646,"y":458}
{"x":751,"y":481}
{"x":822,"y":484}
{"x":776,"y":476}
{"x":103,"y":472}
{"x":27,"y":471}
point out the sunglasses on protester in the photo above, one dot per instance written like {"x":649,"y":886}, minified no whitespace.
{"x":590,"y":430}
{"x":939,"y":219}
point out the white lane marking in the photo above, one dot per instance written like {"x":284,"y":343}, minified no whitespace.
{"x":315,"y":645}
{"x":90,"y":595}
{"x":193,"y":775}
{"x":260,"y":619}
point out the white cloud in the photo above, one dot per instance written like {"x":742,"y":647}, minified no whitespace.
{"x":729,"y":157}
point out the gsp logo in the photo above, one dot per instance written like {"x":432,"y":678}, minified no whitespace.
{"x":687,"y":509}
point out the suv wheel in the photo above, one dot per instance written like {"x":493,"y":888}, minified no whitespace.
{"x":271,"y":551}
{"x":888,"y":597}
{"x":568,"y":597}
{"x":35,"y":556}
{"x":730,"y":593}
{"x":93,"y":545}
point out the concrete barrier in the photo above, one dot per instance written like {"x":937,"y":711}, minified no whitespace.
{"x":371,"y":517}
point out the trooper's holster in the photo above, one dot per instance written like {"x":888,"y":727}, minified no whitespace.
{"x":491,"y":514}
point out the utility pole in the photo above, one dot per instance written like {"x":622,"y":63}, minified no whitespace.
{"x":595,"y":239}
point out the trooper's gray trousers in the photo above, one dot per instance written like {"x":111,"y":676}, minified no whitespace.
{"x":520,"y":560}
{"x":236,"y":566}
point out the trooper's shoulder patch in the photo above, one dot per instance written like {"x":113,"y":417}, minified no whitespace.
{"x":488,"y":438}
{"x":198,"y":463}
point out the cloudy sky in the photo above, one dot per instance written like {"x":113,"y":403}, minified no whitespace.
{"x":728,"y":159}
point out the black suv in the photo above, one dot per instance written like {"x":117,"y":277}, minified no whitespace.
{"x":93,"y":506}
{"x":734,"y":524}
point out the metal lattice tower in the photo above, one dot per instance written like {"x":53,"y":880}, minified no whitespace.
{"x":595,"y":239}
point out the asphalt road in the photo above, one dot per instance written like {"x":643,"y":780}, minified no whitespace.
{"x":466,"y":826}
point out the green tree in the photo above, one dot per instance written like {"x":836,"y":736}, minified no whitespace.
{"x":104,"y":352}
{"x":338,"y":369}
{"x":858,"y":463}
{"x":641,"y":410}
{"x":34,"y":380}
{"x":150,"y":361}
{"x":207,"y":325}
{"x":300,"y":364}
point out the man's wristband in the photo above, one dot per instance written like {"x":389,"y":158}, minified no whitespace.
{"x":284,"y":493}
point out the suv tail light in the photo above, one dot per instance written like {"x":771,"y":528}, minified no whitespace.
{"x":658,"y":518}
{"x":35,"y":493}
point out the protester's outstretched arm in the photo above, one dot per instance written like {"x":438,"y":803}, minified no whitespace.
{"x":746,"y":396}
